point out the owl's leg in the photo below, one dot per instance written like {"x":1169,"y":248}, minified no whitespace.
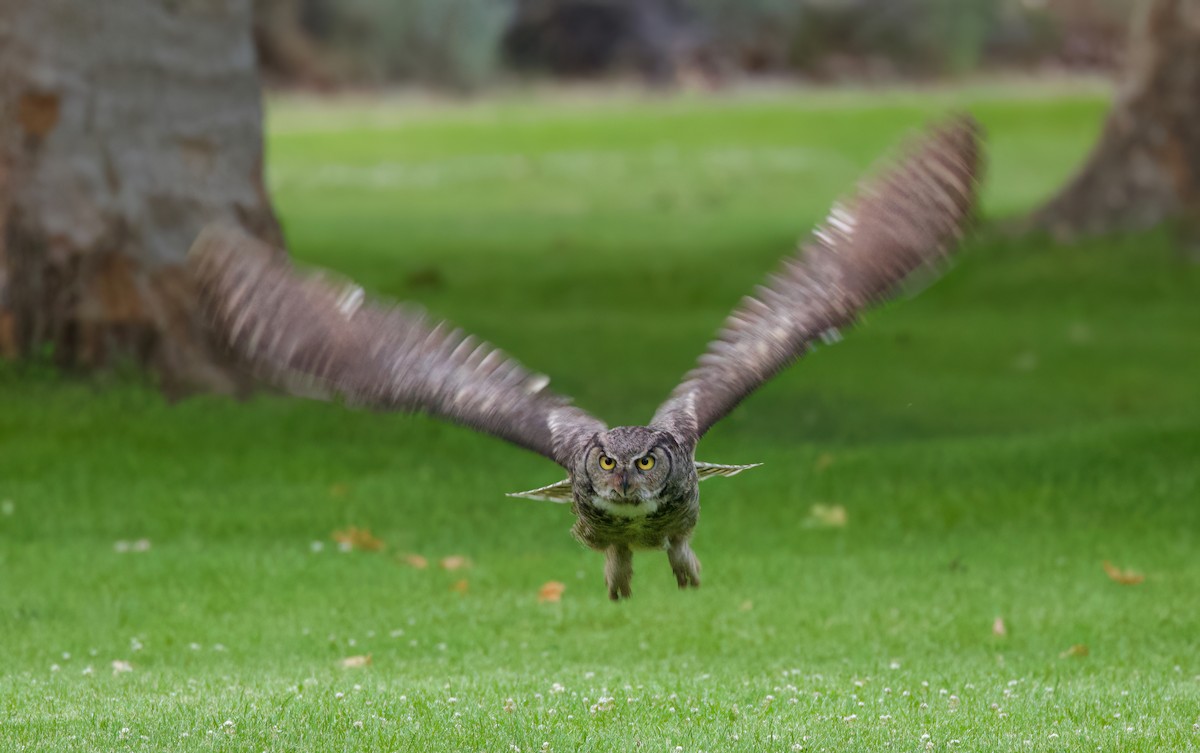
{"x":618,"y":571}
{"x":683,"y":563}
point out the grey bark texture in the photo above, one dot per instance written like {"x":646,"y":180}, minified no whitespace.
{"x":125,"y":127}
{"x":1146,"y":167}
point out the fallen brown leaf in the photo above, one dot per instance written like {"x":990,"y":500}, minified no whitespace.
{"x":1124,"y":577}
{"x":460,"y":586}
{"x":354,"y":662}
{"x":358,"y":538}
{"x":1075,"y":651}
{"x":416,"y":560}
{"x":551,"y":591}
{"x":827,"y":516}
{"x":998,"y":628}
{"x":454,"y":562}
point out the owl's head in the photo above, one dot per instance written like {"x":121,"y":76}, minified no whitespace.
{"x":632,"y":464}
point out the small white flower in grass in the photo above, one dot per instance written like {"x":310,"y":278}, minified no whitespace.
{"x":1053,"y":735}
{"x":218,"y":647}
{"x":451,"y":699}
{"x":120,"y":665}
{"x":851,"y":718}
{"x":339,"y":695}
{"x":316,"y":546}
{"x":141,"y":545}
{"x":195,"y":646}
{"x":358,"y":724}
{"x":228,"y":724}
{"x":797,"y":748}
{"x":396,"y":633}
{"x":135,"y":644}
{"x":66,"y":656}
{"x":510,"y":705}
{"x":885,"y":718}
{"x":87,"y":670}
{"x":678,"y":749}
{"x":894,"y":665}
{"x":124,"y":733}
{"x":923,"y":705}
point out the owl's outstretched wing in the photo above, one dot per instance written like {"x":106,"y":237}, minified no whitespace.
{"x":906,"y":219}
{"x":317,"y":336}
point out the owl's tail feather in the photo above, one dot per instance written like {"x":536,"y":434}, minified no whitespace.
{"x":712,"y":470}
{"x":560,"y":492}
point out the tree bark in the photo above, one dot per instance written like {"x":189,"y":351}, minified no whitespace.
{"x":1146,"y":167}
{"x":125,"y":127}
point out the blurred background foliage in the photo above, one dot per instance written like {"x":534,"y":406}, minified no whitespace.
{"x":470,"y":43}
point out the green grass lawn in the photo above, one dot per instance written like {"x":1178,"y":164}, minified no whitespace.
{"x":992,"y":442}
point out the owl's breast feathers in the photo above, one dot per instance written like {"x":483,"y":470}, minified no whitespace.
{"x":601,"y":523}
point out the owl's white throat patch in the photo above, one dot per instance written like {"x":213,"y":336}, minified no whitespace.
{"x":622,"y":509}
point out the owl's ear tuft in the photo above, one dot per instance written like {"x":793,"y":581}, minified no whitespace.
{"x":712,"y":470}
{"x":560,"y":492}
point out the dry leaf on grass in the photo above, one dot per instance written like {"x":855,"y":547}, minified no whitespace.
{"x":354,"y":662}
{"x":1124,"y":577}
{"x":827,"y":516}
{"x":454,"y":562}
{"x":415,"y":560}
{"x":460,"y":586}
{"x":1075,"y":651}
{"x":357,"y":538}
{"x":551,"y":591}
{"x":998,"y":628}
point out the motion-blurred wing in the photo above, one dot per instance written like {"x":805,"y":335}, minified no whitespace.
{"x":908,"y":218}
{"x":317,"y":336}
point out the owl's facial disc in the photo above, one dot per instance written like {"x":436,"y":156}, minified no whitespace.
{"x":628,"y":468}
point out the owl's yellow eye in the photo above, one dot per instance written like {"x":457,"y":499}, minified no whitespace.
{"x":645,"y":463}
{"x":607,"y":463}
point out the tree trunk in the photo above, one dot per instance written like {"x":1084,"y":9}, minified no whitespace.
{"x":125,"y":126}
{"x":1146,"y":167}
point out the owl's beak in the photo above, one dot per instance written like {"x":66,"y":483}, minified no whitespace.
{"x":623,"y":481}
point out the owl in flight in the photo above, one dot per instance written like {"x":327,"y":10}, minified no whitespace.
{"x":630,"y":487}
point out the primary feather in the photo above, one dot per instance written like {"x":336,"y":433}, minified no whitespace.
{"x":314,"y":335}
{"x":908,"y":218}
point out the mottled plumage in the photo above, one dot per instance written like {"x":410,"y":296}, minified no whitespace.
{"x":629,"y":487}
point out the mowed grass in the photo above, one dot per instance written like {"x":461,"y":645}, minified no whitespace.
{"x":992,"y":442}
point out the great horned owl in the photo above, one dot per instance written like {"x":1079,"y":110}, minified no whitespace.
{"x":630,"y":487}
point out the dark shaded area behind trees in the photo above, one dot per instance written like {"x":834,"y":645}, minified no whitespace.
{"x":468,"y":43}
